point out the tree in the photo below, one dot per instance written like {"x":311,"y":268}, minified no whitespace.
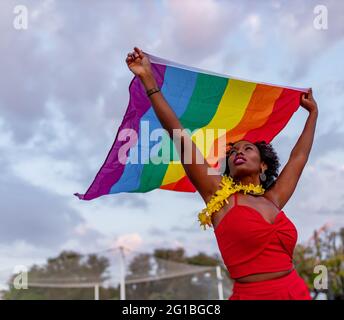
{"x":326,"y":248}
{"x":68,"y":267}
{"x":171,"y":265}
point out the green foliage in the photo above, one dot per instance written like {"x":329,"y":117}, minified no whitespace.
{"x":194,"y":286}
{"x":72,"y":267}
{"x":68,"y":267}
{"x":327,"y":249}
{"x":169,"y":265}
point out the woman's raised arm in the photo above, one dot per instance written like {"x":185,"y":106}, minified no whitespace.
{"x":197,"y":170}
{"x":287,"y":181}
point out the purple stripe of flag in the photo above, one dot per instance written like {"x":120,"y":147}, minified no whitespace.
{"x":112,"y":169}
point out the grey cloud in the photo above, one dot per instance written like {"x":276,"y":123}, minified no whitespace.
{"x":194,"y":228}
{"x":182,"y":229}
{"x":126,"y":199}
{"x":294,"y":22}
{"x":33,"y":215}
{"x":289,"y":23}
{"x":194,"y":31}
{"x":157,"y":232}
{"x":326,"y":143}
{"x":323,"y":145}
{"x":326,"y":211}
{"x":77,"y":60}
{"x":72,"y":54}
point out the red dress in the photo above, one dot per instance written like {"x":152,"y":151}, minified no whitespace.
{"x":249,"y":244}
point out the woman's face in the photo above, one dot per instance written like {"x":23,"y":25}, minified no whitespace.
{"x":250,"y":162}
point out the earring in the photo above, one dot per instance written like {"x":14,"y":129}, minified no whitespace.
{"x":262,"y":176}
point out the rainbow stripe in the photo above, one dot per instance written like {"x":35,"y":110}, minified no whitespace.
{"x":202,"y":100}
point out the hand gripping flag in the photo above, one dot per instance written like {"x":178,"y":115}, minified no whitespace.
{"x":216,"y":108}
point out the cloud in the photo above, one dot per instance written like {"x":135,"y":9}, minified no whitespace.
{"x":132,"y":241}
{"x":194,"y":31}
{"x":64,"y":90}
{"x":34,"y":215}
{"x":317,"y":200}
{"x":313,"y":185}
{"x":157,"y":232}
{"x":77,"y":65}
{"x":326,"y":145}
{"x":253,"y":24}
{"x":76,"y":60}
{"x":193,"y":229}
{"x":293,"y":23}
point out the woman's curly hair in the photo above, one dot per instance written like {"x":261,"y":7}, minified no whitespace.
{"x":269,"y":156}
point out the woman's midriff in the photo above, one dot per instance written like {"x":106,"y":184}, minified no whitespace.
{"x":263,"y":276}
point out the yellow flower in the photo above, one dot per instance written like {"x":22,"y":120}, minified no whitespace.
{"x":218,"y":200}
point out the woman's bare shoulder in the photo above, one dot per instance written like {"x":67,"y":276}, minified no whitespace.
{"x":219,"y":215}
{"x":271,"y":196}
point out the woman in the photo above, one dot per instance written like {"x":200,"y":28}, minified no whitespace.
{"x":255,"y":237}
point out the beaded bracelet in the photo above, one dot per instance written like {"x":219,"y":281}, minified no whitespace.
{"x":151,"y":91}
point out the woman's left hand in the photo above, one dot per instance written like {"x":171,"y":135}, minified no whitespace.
{"x":308,"y":102}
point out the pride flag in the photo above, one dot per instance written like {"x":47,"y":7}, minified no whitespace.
{"x":214,"y":107}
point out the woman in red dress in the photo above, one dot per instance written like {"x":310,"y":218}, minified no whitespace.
{"x":255,"y":237}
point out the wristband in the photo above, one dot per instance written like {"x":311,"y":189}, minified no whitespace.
{"x":151,"y":91}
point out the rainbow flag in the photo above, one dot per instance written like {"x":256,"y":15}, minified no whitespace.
{"x":214,"y":107}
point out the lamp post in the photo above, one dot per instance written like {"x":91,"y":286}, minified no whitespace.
{"x":122,"y":268}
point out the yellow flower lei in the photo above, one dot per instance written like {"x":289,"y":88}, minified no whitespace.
{"x":217,"y":201}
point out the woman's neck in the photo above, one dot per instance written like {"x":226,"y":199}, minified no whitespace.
{"x":248,"y":180}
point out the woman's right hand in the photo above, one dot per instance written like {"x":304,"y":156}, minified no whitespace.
{"x":138,"y":63}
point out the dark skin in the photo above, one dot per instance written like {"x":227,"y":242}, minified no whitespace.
{"x":274,"y":199}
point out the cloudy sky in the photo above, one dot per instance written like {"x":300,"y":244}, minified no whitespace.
{"x":64,"y":90}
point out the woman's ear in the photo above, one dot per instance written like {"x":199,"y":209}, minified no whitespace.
{"x":263,"y":167}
